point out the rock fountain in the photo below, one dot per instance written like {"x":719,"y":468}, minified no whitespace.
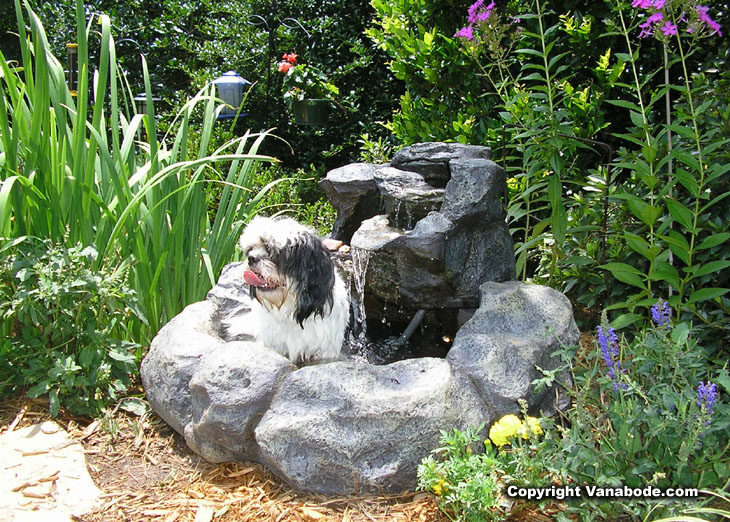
{"x":427,"y":242}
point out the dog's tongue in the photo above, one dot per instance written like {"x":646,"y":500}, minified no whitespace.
{"x":252,"y":279}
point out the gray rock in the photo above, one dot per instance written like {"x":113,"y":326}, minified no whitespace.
{"x":476,"y":192}
{"x":407,"y":268}
{"x":353,"y":193}
{"x":174,"y":357}
{"x":349,"y":428}
{"x":230,"y":391}
{"x":516,"y":327}
{"x":431,"y":160}
{"x":476,"y":253}
{"x":406,"y":196}
{"x":435,"y":265}
{"x":233,"y":300}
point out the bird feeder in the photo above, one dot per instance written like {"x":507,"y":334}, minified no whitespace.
{"x":230,"y":89}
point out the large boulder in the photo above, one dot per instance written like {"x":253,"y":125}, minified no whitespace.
{"x":407,"y":198}
{"x":516,"y":328}
{"x":230,"y":391}
{"x":476,"y":192}
{"x":173,"y":358}
{"x":352,"y":428}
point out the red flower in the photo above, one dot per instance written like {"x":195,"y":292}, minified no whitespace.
{"x":290,"y":58}
{"x":284,"y":67}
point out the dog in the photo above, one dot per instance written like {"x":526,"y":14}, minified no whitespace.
{"x":300,"y":301}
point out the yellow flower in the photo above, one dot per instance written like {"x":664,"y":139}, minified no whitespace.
{"x":534,"y":424}
{"x":504,"y":429}
{"x":531,"y":426}
{"x":439,"y":488}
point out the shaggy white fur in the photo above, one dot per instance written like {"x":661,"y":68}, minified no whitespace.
{"x":301,"y":306}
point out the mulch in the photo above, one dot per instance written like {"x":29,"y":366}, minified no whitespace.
{"x":147,"y":473}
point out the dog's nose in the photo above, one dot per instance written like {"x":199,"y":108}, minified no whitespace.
{"x":252,"y":260}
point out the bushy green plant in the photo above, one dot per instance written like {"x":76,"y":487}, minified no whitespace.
{"x":65,"y":327}
{"x":82,"y":170}
{"x":468,"y":475}
{"x":296,"y":194}
{"x":443,"y":99}
{"x":642,"y":415}
{"x":647,"y":412}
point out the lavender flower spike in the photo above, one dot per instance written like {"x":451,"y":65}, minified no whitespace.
{"x":660,"y":314}
{"x":706,"y":396}
{"x":608,"y":342}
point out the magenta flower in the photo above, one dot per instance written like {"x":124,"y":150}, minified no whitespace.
{"x":474,"y":10}
{"x":466,"y":33}
{"x":704,"y":17}
{"x":658,"y":4}
{"x":669,"y":29}
{"x":647,"y":28}
{"x":641,"y":4}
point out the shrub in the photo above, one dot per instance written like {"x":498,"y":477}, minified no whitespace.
{"x":648,"y":412}
{"x":296,"y":194}
{"x":468,"y":479}
{"x":65,"y":327}
{"x":81,"y":169}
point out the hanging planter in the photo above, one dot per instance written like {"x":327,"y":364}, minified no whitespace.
{"x":307,"y":91}
{"x":314,"y":112}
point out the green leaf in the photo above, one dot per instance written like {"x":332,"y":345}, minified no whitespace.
{"x":38,"y":390}
{"x":122,"y":357}
{"x":723,"y":379}
{"x":625,"y":104}
{"x":713,"y":240}
{"x":663,"y":271}
{"x":680,"y":213}
{"x":649,"y":153}
{"x":54,"y":402}
{"x":705,"y":294}
{"x":626,"y":274}
{"x":637,"y":119}
{"x":709,"y":268}
{"x":650,"y":214}
{"x":625,"y":320}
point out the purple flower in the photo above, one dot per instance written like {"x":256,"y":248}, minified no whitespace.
{"x":479,"y":13}
{"x":660,"y":312}
{"x":641,"y":4}
{"x":465,"y":32}
{"x":658,"y":4}
{"x":608,"y":342}
{"x":669,"y":29}
{"x":647,"y":28}
{"x":704,"y":17}
{"x":706,"y":396}
{"x":474,"y":9}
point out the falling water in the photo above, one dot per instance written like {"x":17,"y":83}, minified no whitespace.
{"x":360,"y":260}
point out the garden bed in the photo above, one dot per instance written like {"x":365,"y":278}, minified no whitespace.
{"x":146,"y":472}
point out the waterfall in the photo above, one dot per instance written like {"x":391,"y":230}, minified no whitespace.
{"x":360,"y":260}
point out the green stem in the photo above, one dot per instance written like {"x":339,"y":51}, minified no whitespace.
{"x":647,"y":136}
{"x":548,"y":80}
{"x":702,"y":172}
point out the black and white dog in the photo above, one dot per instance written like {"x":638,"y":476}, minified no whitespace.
{"x":301,"y":306}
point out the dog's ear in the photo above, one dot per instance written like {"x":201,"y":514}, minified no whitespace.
{"x":308,"y":263}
